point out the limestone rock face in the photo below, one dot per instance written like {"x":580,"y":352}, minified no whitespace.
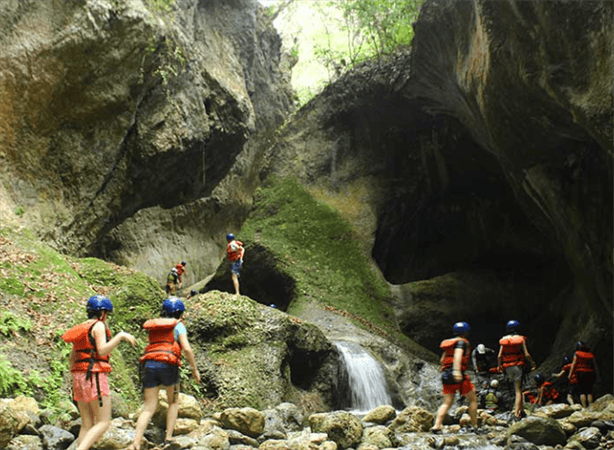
{"x":120,"y":120}
{"x":480,"y":167}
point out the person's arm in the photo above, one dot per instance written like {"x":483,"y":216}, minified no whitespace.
{"x":456,"y":365}
{"x":573,"y":366}
{"x":242,"y":253}
{"x":187,"y":349}
{"x":499,"y":359}
{"x":474,"y":360}
{"x":527,"y":356}
{"x":105,"y":348}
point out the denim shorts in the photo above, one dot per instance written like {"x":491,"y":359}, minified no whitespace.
{"x":235,"y":267}
{"x":156,"y":373}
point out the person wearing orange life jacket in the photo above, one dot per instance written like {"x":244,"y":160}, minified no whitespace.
{"x":235,"y":251}
{"x":89,"y":366}
{"x":160,"y":366}
{"x":546,"y":393}
{"x":583,"y":370}
{"x":513,"y":355}
{"x":454,"y":363}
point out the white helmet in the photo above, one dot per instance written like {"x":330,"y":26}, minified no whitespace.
{"x":174,"y":270}
{"x":494,"y":384}
{"x":481,"y":349}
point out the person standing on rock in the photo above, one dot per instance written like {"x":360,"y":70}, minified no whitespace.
{"x":180,"y":267}
{"x":583,"y":372}
{"x":513,"y":356}
{"x":89,"y":365}
{"x":454,"y":363}
{"x":172,"y":279}
{"x":160,"y":366}
{"x":235,"y":251}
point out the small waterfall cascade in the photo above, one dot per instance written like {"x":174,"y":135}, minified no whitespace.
{"x":366,"y":382}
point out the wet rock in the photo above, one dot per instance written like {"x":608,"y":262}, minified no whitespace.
{"x":539,"y":431}
{"x":54,"y":437}
{"x":412,"y":419}
{"x":246,"y":420}
{"x":380,"y":414}
{"x":589,"y":437}
{"x":342,"y":427}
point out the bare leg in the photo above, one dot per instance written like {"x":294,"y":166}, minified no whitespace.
{"x":235,"y":282}
{"x":173,"y":410}
{"x":518,"y":399}
{"x":570,"y":399}
{"x":473,"y":408}
{"x":583,"y":400}
{"x":102,"y":421}
{"x":87,"y":419}
{"x":150,"y":396}
{"x":589,"y":397}
{"x":448,"y":399}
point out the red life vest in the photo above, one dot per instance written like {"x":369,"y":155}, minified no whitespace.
{"x":162,"y":345}
{"x":448,"y":346}
{"x":584,"y":362}
{"x":513,"y":353}
{"x":236,"y":254}
{"x":88,"y":360}
{"x":550,"y":393}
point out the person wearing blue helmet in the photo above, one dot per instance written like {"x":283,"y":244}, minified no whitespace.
{"x":454,"y":363}
{"x":235,"y":251}
{"x":92,"y":345}
{"x":512,"y":358}
{"x":168,"y":339}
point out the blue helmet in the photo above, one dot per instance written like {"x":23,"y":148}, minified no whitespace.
{"x":461,"y":328}
{"x":539,"y":379}
{"x":172,"y":305}
{"x":566,"y":360}
{"x":230,"y":237}
{"x":99,"y":303}
{"x":512,"y":325}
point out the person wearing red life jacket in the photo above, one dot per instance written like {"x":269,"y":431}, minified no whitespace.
{"x":89,"y":365}
{"x":454,"y":363}
{"x":583,"y":371}
{"x":235,"y":251}
{"x":160,"y":366}
{"x":546,"y":393}
{"x":180,"y":267}
{"x":564,"y":382}
{"x":513,"y":356}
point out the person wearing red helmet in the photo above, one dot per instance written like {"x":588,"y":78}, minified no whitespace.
{"x":89,"y":366}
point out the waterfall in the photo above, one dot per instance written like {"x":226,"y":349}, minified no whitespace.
{"x":366,"y":380}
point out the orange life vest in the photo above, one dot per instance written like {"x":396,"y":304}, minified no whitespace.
{"x":448,"y":346}
{"x":162,"y":345}
{"x":584,"y":362}
{"x":513,"y":353}
{"x":88,"y":360}
{"x":236,"y":254}
{"x":550,"y":393}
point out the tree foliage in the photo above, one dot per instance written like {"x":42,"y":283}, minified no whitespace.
{"x":372,"y":28}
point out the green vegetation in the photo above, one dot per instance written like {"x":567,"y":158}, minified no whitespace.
{"x":317,"y":248}
{"x":11,"y":323}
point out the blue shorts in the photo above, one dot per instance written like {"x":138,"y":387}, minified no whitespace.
{"x":235,"y":267}
{"x":156,"y":373}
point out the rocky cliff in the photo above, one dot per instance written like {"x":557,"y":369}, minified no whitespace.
{"x":479,"y":165}
{"x":122,"y":123}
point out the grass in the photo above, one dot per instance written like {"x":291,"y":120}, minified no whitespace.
{"x":319,"y":249}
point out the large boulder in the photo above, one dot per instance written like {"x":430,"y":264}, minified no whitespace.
{"x":342,"y":427}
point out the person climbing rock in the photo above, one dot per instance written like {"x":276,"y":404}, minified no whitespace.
{"x":583,"y":369}
{"x":491,"y":400}
{"x":236,"y":252}
{"x":454,"y":363}
{"x":89,"y":366}
{"x":483,"y":359}
{"x":172,"y":279}
{"x":562,"y":381}
{"x":545,"y":393}
{"x":180,"y":267}
{"x":160,"y":366}
{"x":513,"y":356}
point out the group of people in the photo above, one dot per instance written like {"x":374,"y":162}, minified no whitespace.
{"x":514,"y":361}
{"x":235,"y":252}
{"x":92,"y":345}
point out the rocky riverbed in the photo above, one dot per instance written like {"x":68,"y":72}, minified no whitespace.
{"x":285,"y":427}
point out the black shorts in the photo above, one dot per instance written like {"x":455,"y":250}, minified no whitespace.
{"x":155,"y":373}
{"x":586,"y":380}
